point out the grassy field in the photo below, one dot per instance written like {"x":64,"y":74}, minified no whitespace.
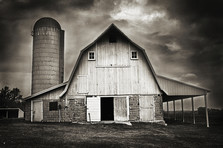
{"x":17,"y":133}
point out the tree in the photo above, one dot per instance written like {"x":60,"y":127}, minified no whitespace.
{"x":10,"y":98}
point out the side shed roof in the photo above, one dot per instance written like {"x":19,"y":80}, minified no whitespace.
{"x":45,"y":91}
{"x":174,"y":89}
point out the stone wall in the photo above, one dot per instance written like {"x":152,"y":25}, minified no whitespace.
{"x":75,"y":111}
{"x":158,"y":107}
{"x":27,"y":111}
{"x":134,"y":108}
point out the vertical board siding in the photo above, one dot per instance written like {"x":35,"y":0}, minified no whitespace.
{"x":120,"y":109}
{"x":37,"y":111}
{"x":94,"y":109}
{"x":83,"y":84}
{"x":172,"y":87}
{"x":113,"y":72}
{"x":146,"y":108}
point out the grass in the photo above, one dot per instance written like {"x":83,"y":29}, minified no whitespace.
{"x":18,"y":133}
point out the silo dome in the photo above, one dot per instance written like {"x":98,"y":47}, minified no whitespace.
{"x":46,"y":22}
{"x":48,"y":54}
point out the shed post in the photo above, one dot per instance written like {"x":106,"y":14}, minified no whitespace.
{"x":206,"y":110}
{"x":7,"y":114}
{"x":192,"y":103}
{"x":182,"y":106}
{"x":174,"y":110}
{"x":167,"y":106}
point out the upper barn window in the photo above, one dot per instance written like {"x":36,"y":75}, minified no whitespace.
{"x":134,"y":55}
{"x":91,"y":55}
{"x":112,"y":38}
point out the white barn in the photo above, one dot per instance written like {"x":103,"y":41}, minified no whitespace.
{"x":112,"y":80}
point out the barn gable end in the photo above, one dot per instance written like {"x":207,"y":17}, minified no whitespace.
{"x":113,"y":71}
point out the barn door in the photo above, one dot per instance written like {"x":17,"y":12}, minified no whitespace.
{"x":146,"y":108}
{"x":93,"y":109}
{"x":37,"y":111}
{"x":121,"y":109}
{"x":82,"y":86}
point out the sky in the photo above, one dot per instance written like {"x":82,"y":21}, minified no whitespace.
{"x":182,"y":38}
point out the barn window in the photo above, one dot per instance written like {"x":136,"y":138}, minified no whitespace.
{"x":53,"y":106}
{"x":112,"y":39}
{"x":91,"y":55}
{"x":134,"y":55}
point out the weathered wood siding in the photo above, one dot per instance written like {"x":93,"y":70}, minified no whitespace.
{"x":48,"y":116}
{"x":172,"y":87}
{"x":146,"y":108}
{"x":121,"y":109}
{"x":113,"y":72}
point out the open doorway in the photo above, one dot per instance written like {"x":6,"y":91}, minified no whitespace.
{"x":107,"y":109}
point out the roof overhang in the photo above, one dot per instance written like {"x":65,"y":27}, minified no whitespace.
{"x":175,"y":90}
{"x":45,"y":91}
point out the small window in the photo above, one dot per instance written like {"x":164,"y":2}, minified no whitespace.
{"x":134,"y":55}
{"x":91,"y":55}
{"x":112,"y":39}
{"x":53,"y":106}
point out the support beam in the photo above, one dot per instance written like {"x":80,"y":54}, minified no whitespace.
{"x":167,"y":107}
{"x":182,"y":106}
{"x":192,"y":103}
{"x":7,"y":114}
{"x":174,"y":110}
{"x":206,"y":109}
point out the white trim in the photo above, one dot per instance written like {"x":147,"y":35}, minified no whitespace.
{"x":137,"y":55}
{"x":31,"y":110}
{"x":87,"y":91}
{"x":41,"y":109}
{"x":89,"y":56}
{"x":127,"y":102}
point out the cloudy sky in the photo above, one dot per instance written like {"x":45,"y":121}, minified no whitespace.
{"x":183,"y":38}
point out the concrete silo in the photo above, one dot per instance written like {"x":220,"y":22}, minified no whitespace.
{"x":48,"y":54}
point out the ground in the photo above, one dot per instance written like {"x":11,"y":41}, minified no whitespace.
{"x":18,"y":133}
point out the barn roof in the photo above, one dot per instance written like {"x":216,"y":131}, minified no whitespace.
{"x":113,"y":28}
{"x":174,"y":89}
{"x":45,"y":91}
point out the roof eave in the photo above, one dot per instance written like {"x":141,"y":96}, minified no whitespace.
{"x":45,"y":91}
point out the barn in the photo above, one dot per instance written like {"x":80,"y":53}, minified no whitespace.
{"x":112,"y":80}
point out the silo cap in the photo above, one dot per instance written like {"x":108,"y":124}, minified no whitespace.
{"x":46,"y":22}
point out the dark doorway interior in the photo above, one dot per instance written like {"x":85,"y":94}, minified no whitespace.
{"x":107,"y":111}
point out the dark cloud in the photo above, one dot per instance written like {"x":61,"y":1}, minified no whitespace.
{"x":187,"y":41}
{"x":201,"y":34}
{"x":21,"y":6}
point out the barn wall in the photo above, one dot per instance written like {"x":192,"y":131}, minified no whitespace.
{"x":46,"y":98}
{"x":113,"y":72}
{"x":76,"y":110}
{"x":158,"y":107}
{"x":134,"y":108}
{"x":28,"y":110}
{"x":50,"y":116}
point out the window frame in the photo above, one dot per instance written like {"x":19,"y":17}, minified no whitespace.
{"x":89,"y":52}
{"x":137,"y":57}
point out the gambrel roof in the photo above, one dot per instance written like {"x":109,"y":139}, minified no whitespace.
{"x":111,"y":27}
